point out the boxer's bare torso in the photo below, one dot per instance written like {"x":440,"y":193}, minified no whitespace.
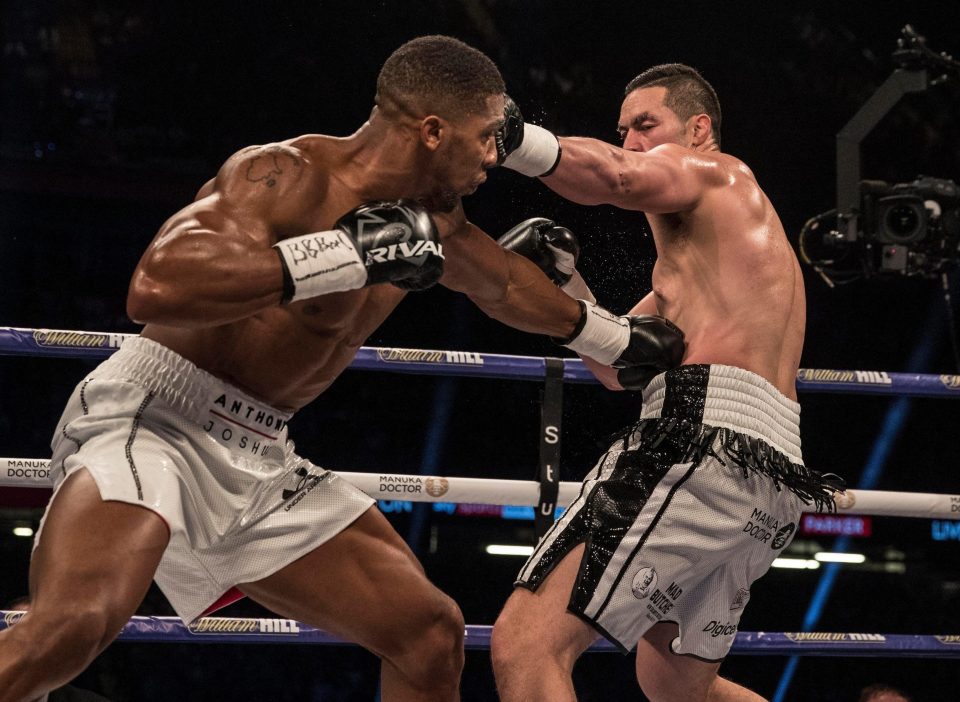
{"x":209,"y":284}
{"x":725,"y":272}
{"x":727,"y":276}
{"x":285,"y":355}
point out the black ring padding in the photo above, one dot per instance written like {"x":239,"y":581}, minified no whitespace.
{"x":548,"y":473}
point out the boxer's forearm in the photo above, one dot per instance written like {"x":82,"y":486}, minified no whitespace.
{"x":529,"y":301}
{"x":505,"y":285}
{"x":592,"y":172}
{"x":587,"y":172}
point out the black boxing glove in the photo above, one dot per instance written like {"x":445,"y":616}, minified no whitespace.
{"x":398,"y":241}
{"x":641,"y":346}
{"x":554,"y":249}
{"x":524,"y":147}
{"x":656,"y":345}
{"x":377,"y":242}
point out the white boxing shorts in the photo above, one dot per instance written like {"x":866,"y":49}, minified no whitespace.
{"x":686,"y":510}
{"x":155,"y":430}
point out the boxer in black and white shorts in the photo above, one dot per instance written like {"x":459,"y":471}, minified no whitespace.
{"x":681,"y":517}
{"x":682,"y":514}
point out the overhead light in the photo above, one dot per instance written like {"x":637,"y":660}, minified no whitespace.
{"x":795,"y":563}
{"x":828,"y":557}
{"x":22,"y":531}
{"x":509,"y":550}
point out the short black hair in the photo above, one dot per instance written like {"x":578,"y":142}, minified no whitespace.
{"x":437,"y":74}
{"x":688,"y":93}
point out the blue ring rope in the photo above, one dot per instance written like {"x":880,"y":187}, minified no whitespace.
{"x":15,"y":341}
{"x":246,"y":630}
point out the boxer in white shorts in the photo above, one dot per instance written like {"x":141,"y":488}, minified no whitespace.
{"x":212,"y":462}
{"x":677,"y":521}
{"x":172,"y":457}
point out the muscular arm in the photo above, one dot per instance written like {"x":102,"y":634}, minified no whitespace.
{"x":211,"y":263}
{"x":504,"y":285}
{"x":666,"y":179}
{"x":605,"y":374}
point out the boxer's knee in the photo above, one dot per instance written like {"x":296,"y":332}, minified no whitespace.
{"x":45,"y":650}
{"x":443,"y":644}
{"x":431,"y":656}
{"x":666,"y":677}
{"x":517,"y":644}
{"x":82,"y":632}
{"x":660,"y":687}
{"x":506,"y":645}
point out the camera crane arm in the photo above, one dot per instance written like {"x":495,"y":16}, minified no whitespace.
{"x":916,"y":63}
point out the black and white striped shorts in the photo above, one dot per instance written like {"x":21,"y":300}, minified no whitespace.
{"x":685,"y":511}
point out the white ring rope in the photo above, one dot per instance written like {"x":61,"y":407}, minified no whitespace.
{"x":35,"y":473}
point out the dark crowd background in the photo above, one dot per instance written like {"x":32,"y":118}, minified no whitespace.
{"x":113,"y":115}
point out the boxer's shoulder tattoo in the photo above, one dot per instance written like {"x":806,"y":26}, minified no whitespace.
{"x":272,"y":163}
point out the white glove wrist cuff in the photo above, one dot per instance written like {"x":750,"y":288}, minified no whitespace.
{"x":319,"y":263}
{"x":538,"y":153}
{"x":603,"y":335}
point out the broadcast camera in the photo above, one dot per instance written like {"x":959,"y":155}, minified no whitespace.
{"x":881,"y":228}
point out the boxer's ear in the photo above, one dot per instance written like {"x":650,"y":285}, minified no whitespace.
{"x":700,"y":128}
{"x":433,"y":131}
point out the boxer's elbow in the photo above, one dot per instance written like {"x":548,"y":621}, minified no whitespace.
{"x":149,"y":300}
{"x":169,"y":283}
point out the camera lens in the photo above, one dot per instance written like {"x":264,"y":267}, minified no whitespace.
{"x":902,"y":222}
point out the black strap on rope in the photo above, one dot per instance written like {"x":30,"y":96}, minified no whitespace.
{"x":551,"y":415}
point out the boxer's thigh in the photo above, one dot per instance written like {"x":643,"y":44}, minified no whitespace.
{"x":364,"y":585}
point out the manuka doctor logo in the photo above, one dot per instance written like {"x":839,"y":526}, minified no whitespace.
{"x":761,"y":525}
{"x":34,"y":469}
{"x":436,"y":487}
{"x":401,"y":484}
